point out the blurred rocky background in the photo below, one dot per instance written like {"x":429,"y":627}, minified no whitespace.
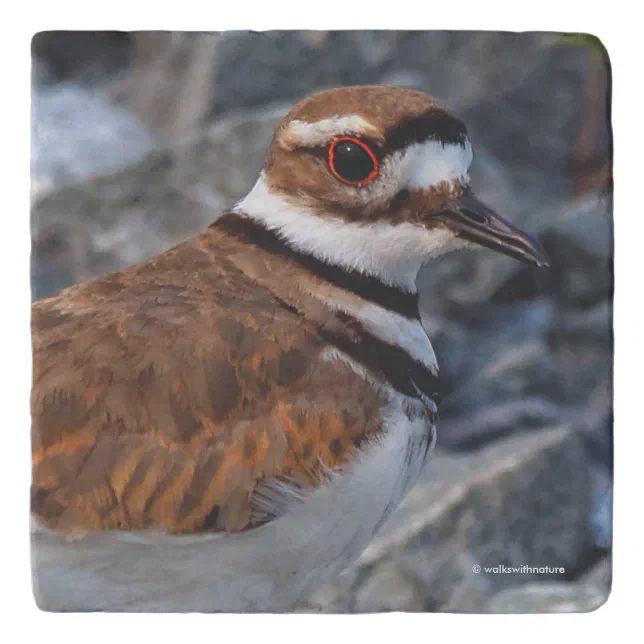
{"x":141,"y":139}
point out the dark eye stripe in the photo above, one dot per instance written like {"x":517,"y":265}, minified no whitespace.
{"x":435,"y":124}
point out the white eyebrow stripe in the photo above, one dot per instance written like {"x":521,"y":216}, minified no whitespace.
{"x":300,"y":133}
{"x":428,"y":164}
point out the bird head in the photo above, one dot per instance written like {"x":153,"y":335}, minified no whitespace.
{"x":376,"y":179}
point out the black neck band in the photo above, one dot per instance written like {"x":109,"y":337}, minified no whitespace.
{"x":370,"y":288}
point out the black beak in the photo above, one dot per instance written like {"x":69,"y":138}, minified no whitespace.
{"x":474,"y":221}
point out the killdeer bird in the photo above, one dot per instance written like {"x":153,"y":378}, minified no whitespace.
{"x":224,"y":427}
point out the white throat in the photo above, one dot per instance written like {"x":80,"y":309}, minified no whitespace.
{"x":392,"y":253}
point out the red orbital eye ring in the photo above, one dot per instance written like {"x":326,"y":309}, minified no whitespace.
{"x":370,"y":177}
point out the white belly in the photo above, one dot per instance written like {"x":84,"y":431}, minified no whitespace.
{"x":266,"y":569}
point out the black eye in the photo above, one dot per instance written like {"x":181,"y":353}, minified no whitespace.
{"x":352,"y":161}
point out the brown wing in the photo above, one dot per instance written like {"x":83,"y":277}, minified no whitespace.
{"x":163,"y":397}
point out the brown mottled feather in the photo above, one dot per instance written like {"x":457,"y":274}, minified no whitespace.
{"x":163,"y":396}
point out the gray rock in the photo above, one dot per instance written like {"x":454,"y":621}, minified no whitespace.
{"x":168,"y":83}
{"x":499,"y":354}
{"x":337,"y":597}
{"x":78,"y":133}
{"x":589,"y":326}
{"x":85,"y":57}
{"x":594,"y":417}
{"x":601,"y":520}
{"x":41,"y":72}
{"x":388,"y":589}
{"x":580,"y":244}
{"x":497,"y":420}
{"x":600,"y":575}
{"x":109,"y":222}
{"x":445,"y":579}
{"x":549,"y":598}
{"x":521,"y":501}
